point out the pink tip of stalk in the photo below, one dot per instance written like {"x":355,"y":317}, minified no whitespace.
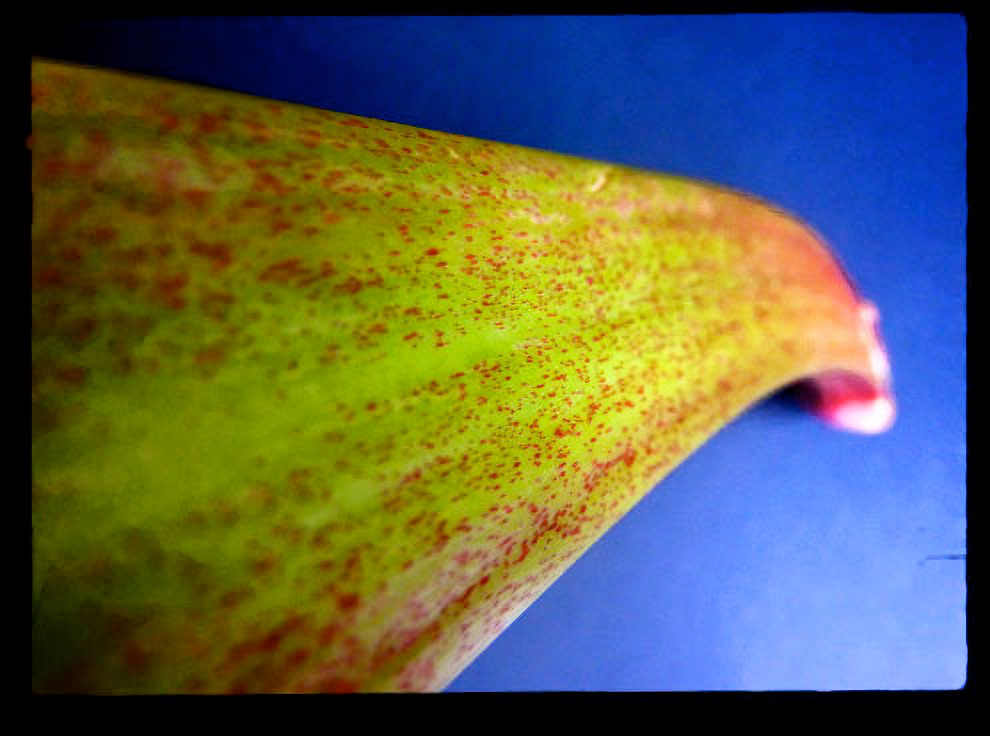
{"x":849,"y":401}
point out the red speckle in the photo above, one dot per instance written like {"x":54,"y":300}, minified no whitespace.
{"x":54,"y":167}
{"x":82,"y":329}
{"x":219,"y":254}
{"x":212,"y":355}
{"x":103,"y":235}
{"x":432,"y":251}
{"x":72,"y":253}
{"x":331,"y":178}
{"x":297,"y":657}
{"x":354,"y":122}
{"x":216,"y":304}
{"x":265,"y":181}
{"x":72,"y":374}
{"x":136,"y":659}
{"x":51,"y":276}
{"x":208,"y":123}
{"x":280,"y":226}
{"x":263,"y":564}
{"x":336,"y":684}
{"x":167,"y":289}
{"x":410,"y":336}
{"x":326,"y":269}
{"x":522,"y":555}
{"x":270,"y":643}
{"x":378,"y":327}
{"x":233,"y":598}
{"x":348,"y":601}
{"x":196,"y":197}
{"x":351,"y":286}
{"x":283,"y":271}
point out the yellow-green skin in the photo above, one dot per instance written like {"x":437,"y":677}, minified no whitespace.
{"x":322,"y":403}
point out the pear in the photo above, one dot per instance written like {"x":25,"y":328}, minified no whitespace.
{"x":321,"y":403}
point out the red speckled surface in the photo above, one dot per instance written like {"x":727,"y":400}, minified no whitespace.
{"x":323,"y":402}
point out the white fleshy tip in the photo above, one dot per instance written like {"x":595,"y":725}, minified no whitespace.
{"x":864,"y":415}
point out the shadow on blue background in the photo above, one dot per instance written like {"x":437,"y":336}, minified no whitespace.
{"x":782,"y":555}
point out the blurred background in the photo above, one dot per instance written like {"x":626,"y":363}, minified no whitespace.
{"x":783,"y":554}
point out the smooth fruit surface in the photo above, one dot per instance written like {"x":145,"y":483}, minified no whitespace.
{"x":322,"y":402}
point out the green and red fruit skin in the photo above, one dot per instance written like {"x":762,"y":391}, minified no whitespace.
{"x":322,"y":403}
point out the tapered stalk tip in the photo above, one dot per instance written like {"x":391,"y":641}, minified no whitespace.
{"x":850,"y":401}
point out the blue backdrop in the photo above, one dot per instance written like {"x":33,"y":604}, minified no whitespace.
{"x":783,"y":554}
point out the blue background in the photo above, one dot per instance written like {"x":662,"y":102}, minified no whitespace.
{"x":783,"y":554}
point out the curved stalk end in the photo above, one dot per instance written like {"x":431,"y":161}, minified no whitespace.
{"x":856,"y":402}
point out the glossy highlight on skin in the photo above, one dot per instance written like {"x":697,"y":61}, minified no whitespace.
{"x":322,"y":403}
